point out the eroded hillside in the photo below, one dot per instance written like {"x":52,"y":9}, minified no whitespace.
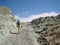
{"x":12,"y":32}
{"x":47,"y":30}
{"x":41,"y":31}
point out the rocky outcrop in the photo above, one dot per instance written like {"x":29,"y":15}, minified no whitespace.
{"x":47,"y":30}
{"x":8,"y":26}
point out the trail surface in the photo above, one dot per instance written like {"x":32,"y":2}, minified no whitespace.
{"x":25,"y":37}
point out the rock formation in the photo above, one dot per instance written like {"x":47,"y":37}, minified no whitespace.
{"x":10,"y":31}
{"x":47,"y":30}
{"x":41,"y":31}
{"x":8,"y":26}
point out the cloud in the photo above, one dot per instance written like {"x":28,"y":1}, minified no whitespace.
{"x":30,"y":18}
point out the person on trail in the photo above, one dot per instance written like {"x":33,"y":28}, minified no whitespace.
{"x":18,"y":26}
{"x":18,"y":23}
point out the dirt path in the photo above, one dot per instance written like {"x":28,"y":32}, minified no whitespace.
{"x":22,"y":38}
{"x":25,"y":37}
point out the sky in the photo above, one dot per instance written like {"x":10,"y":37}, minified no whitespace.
{"x":25,"y":9}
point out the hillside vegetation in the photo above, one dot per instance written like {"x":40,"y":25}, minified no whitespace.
{"x":47,"y":30}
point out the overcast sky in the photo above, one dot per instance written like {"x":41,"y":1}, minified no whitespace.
{"x":27,"y":8}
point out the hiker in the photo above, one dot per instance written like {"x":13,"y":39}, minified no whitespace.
{"x":18,"y":23}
